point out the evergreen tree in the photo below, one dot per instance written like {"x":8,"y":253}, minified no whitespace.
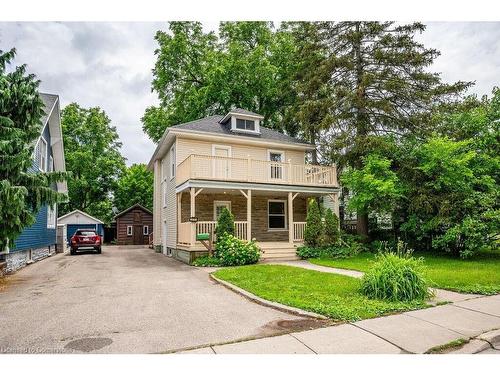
{"x":22,"y":193}
{"x":314,"y":227}
{"x":332,"y":228}
{"x":380,"y":85}
{"x":225,"y":223}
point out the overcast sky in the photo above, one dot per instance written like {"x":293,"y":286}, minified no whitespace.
{"x":109,"y":65}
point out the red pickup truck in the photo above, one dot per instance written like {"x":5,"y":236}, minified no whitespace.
{"x":85,"y":239}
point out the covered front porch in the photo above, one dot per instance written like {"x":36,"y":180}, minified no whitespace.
{"x":275,"y":218}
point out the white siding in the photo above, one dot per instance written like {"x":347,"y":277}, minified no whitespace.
{"x":169,"y":213}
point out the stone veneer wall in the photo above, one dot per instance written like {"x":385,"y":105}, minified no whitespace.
{"x":19,"y":259}
{"x":205,"y":212}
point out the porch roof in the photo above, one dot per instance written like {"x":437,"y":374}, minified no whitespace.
{"x":228,"y":185}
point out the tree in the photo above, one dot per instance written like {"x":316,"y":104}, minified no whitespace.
{"x":314,"y":227}
{"x":225,"y":224}
{"x":92,"y":151}
{"x":198,"y":74}
{"x":332,"y":228}
{"x":135,"y":186}
{"x":379,"y":85}
{"x":22,"y":192}
{"x":375,"y":187}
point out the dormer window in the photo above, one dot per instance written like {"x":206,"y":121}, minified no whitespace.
{"x":242,"y":124}
{"x":241,"y":120}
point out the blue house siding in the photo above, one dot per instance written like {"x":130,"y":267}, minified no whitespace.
{"x":37,"y":235}
{"x":71,"y":229}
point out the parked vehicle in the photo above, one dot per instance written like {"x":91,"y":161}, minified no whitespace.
{"x":85,"y":239}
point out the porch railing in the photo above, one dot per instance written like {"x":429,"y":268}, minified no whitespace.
{"x":298,"y":230}
{"x":187,"y":230}
{"x":249,"y":170}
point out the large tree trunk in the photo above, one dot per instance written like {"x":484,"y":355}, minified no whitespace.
{"x":362,"y":226}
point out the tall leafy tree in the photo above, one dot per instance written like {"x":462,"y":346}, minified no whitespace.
{"x":380,"y":85}
{"x":248,"y":65}
{"x":92,"y":150}
{"x":22,"y":192}
{"x":135,"y":186}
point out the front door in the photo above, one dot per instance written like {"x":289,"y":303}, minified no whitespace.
{"x":138,"y":236}
{"x":221,"y":163}
{"x":276,"y":158}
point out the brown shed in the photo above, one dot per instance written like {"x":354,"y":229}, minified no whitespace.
{"x":134,"y":225}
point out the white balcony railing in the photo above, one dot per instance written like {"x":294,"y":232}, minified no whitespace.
{"x":250,"y":170}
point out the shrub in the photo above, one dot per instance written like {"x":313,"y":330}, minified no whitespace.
{"x":331,"y":228}
{"x":225,"y":224}
{"x":306,"y":252}
{"x":313,"y":229}
{"x":395,"y":277}
{"x":232,"y":251}
{"x":206,"y":261}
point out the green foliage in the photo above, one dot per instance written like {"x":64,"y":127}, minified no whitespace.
{"x":395,"y":277}
{"x":331,"y":234}
{"x":135,"y":186}
{"x":306,"y":252}
{"x":314,"y":227}
{"x":22,"y":193}
{"x":92,"y":151}
{"x":231,"y":251}
{"x":206,"y":261}
{"x":197,"y":74}
{"x":375,"y":186}
{"x":225,"y":223}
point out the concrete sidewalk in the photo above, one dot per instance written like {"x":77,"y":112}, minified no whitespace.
{"x":410,"y":332}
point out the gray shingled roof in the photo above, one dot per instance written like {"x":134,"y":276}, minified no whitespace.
{"x":211,"y":124}
{"x":48,"y":101}
{"x":244,"y":112}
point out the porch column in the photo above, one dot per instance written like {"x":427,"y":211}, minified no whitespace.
{"x":192,"y":213}
{"x":179,"y":213}
{"x":249,"y":215}
{"x":290,"y":218}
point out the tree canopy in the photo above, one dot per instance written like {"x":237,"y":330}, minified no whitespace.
{"x":135,"y":186}
{"x":22,"y":191}
{"x":197,"y":74}
{"x":92,"y":151}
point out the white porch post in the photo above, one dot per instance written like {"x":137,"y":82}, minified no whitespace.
{"x":249,"y":215}
{"x":290,"y":218}
{"x":179,"y":213}
{"x":192,"y":213}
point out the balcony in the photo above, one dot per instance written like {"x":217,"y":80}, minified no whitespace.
{"x":220,"y":168}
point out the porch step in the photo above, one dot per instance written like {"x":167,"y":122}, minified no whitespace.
{"x":278,"y":251}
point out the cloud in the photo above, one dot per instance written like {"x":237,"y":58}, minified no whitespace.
{"x":109,"y":65}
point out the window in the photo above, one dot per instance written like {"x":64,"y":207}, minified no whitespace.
{"x":218,"y":206}
{"x":164,"y":194}
{"x":129,"y":230}
{"x":51,"y":164}
{"x":245,"y":124}
{"x":145,"y":230}
{"x":277,"y":157}
{"x":162,"y":166}
{"x":172,"y":162}
{"x":276,"y":212}
{"x":51,"y":216}
{"x":41,"y":156}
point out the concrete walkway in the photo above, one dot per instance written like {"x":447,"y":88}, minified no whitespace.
{"x":468,"y":316}
{"x":410,"y":332}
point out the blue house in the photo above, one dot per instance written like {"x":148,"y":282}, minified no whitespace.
{"x":39,"y":240}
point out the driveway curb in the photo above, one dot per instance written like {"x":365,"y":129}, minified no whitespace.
{"x":264,"y":302}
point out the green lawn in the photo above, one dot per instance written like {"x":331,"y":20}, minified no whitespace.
{"x":480,"y":274}
{"x":332,"y":295}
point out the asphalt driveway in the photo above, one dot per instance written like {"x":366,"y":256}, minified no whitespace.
{"x":125,"y":300}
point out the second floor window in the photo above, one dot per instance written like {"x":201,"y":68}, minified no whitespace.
{"x":41,"y":154}
{"x":245,"y":124}
{"x":172,"y":162}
